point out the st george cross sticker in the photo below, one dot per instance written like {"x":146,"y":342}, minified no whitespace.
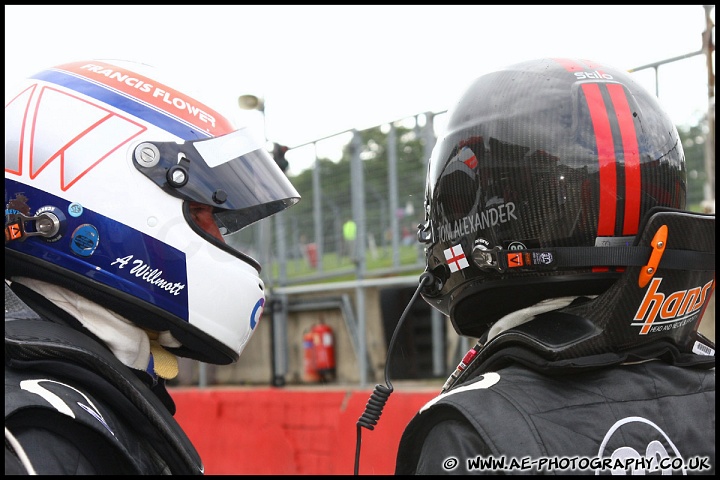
{"x":456,"y":259}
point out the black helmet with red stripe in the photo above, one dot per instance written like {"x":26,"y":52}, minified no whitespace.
{"x":552,"y":179}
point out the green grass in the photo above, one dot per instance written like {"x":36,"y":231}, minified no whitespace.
{"x":380,"y":259}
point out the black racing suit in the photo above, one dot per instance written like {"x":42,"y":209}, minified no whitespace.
{"x":642,"y":417}
{"x":75,"y":408}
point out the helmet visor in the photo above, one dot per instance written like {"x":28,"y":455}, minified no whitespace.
{"x":232,"y":173}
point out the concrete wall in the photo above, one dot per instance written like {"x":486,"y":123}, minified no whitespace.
{"x":294,"y":430}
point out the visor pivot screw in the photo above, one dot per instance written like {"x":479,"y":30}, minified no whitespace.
{"x":147,"y":155}
{"x":219,"y":196}
{"x":650,"y":270}
{"x":177,"y":176}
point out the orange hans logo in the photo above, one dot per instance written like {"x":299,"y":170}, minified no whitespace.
{"x":659,"y":312}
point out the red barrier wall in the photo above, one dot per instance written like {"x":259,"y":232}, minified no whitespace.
{"x":277,"y":431}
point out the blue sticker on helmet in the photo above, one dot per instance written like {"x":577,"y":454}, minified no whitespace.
{"x":256,"y":313}
{"x":75,"y":209}
{"x":84,"y":240}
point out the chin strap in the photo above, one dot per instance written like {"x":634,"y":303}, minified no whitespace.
{"x":48,"y":224}
{"x":539,"y":259}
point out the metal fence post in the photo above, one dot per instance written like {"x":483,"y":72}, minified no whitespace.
{"x":357,"y":192}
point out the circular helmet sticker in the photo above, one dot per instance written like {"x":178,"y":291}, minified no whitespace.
{"x":256,"y":313}
{"x":517,"y":246}
{"x":84,"y":240}
{"x":75,"y":209}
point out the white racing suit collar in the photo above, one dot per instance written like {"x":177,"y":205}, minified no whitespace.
{"x":132,"y":345}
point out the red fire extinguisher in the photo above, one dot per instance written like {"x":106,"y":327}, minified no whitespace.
{"x":310,"y":372}
{"x":324,"y":344}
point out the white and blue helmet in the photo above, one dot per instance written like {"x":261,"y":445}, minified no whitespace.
{"x":103,"y":164}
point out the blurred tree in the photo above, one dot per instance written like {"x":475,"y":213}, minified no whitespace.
{"x":693,"y":141}
{"x":336,"y":192}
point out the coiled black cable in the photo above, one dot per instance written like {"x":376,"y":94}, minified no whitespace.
{"x":376,"y":403}
{"x":374,"y":407}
